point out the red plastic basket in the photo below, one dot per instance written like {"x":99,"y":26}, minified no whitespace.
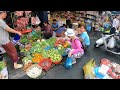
{"x":26,"y":31}
{"x":45,"y":63}
{"x":57,"y":62}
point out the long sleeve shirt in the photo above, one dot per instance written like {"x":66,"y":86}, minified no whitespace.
{"x":48,"y":29}
{"x":76,"y":46}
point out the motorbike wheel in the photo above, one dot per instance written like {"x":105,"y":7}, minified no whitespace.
{"x":97,"y":46}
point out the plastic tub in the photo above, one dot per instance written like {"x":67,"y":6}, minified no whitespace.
{"x":45,"y":63}
{"x":26,"y":31}
{"x":57,"y":62}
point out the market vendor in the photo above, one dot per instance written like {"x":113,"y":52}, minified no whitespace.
{"x":83,"y":36}
{"x":61,"y":30}
{"x":47,"y":30}
{"x":55,"y":25}
{"x":5,"y":41}
{"x":76,"y":50}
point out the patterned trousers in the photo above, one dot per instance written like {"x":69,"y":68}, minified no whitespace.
{"x":74,"y":56}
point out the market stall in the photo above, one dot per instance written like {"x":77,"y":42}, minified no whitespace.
{"x":41,"y":54}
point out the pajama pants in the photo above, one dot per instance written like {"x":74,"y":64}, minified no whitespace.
{"x":74,"y":56}
{"x":16,"y":42}
{"x":11,"y":51}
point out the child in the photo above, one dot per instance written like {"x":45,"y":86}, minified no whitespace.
{"x":76,"y":50}
{"x":84,"y":37}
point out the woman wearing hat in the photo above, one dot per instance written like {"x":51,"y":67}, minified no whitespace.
{"x":5,"y":41}
{"x":76,"y":50}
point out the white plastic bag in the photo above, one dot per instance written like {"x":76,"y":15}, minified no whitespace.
{"x":111,"y":43}
{"x":4,"y":73}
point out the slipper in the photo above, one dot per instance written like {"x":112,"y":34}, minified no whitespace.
{"x":18,"y":66}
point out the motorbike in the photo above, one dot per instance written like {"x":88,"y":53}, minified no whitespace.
{"x":109,"y":42}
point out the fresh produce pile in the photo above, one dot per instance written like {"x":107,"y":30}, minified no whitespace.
{"x":54,"y":55}
{"x":24,"y":39}
{"x":2,"y":65}
{"x":27,"y":59}
{"x":37,"y":57}
{"x":40,"y":49}
{"x":61,"y":42}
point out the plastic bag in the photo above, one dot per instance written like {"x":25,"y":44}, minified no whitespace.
{"x":4,"y":73}
{"x":68,"y":63}
{"x":89,"y":69}
{"x":111,"y":43}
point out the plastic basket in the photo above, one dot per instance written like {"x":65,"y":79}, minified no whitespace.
{"x":26,"y":31}
{"x":45,"y":63}
{"x":57,"y":62}
{"x":32,"y":75}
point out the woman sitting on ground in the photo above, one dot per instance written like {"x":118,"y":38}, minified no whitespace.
{"x":76,"y":50}
{"x":47,"y":30}
{"x":61,"y":30}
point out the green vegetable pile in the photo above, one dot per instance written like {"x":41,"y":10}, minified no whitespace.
{"x":38,"y":47}
{"x":61,"y":51}
{"x":37,"y":35}
{"x":2,"y":65}
{"x":51,"y":41}
{"x":24,"y":39}
{"x":27,"y":58}
{"x":54,"y":55}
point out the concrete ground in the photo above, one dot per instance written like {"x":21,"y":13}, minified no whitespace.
{"x":59,"y":72}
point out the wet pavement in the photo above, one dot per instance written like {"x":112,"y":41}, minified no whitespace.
{"x":59,"y":72}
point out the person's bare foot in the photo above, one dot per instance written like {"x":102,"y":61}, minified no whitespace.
{"x":17,"y":66}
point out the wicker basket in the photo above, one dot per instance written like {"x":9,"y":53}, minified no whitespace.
{"x":32,"y":74}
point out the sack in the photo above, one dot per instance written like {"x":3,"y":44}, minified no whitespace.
{"x":89,"y":69}
{"x":111,"y":43}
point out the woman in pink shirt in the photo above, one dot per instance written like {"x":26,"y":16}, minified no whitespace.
{"x":76,"y":50}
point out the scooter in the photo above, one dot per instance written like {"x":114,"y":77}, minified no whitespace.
{"x":104,"y":42}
